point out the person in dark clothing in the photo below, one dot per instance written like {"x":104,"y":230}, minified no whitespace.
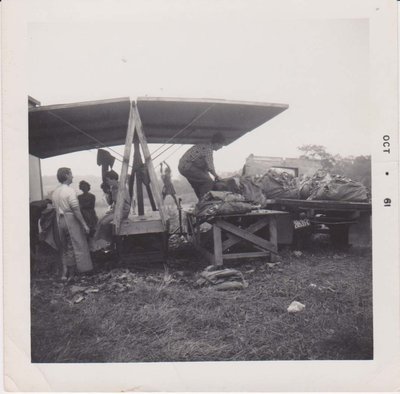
{"x":87,"y":202}
{"x":106,"y":161}
{"x":103,"y":236}
{"x":35,"y":211}
{"x":197,"y":163}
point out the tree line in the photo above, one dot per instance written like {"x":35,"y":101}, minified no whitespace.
{"x":357,"y":168}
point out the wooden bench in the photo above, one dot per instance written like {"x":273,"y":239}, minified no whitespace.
{"x":253,"y":235}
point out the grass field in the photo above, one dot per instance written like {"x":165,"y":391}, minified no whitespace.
{"x":157,"y":313}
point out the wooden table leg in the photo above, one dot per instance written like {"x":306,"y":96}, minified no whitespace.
{"x":273,"y":237}
{"x":217,"y":245}
{"x":273,"y":230}
{"x":197,"y":232}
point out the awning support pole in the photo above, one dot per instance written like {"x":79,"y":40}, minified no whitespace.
{"x":137,"y":162}
{"x":149,"y":165}
{"x":124,"y":170}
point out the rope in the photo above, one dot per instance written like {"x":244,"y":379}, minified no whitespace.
{"x":176,"y":150}
{"x":180,"y":131}
{"x":84,"y":133}
{"x":151,"y":154}
{"x":88,"y":135}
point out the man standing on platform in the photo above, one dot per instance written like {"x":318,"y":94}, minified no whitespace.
{"x":197,"y":163}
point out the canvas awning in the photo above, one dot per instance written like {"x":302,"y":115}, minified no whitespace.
{"x":59,"y":129}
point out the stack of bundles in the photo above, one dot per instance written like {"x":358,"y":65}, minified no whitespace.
{"x":339,"y":188}
{"x":244,"y":185}
{"x":309,"y":185}
{"x":252,"y":191}
{"x":258,"y":189}
{"x":231,"y":184}
{"x":321,"y":186}
{"x":221,"y":203}
{"x":278,"y":185}
{"x":222,"y":279}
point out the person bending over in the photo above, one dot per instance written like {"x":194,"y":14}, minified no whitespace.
{"x":197,"y":163}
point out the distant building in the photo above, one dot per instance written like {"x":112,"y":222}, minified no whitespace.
{"x":258,"y":165}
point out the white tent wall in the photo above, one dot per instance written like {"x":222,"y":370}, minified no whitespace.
{"x":35,"y":179}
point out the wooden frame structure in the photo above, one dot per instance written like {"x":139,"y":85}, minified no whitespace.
{"x":228,"y":231}
{"x":66,"y":128}
{"x":135,"y":136}
{"x":142,"y":224}
{"x":153,"y":225}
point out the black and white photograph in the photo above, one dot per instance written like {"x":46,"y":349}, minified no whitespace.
{"x":201,"y":186}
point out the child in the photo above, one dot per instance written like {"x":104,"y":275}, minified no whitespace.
{"x":168,"y":188}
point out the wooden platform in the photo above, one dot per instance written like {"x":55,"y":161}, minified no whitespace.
{"x":322,"y":204}
{"x":255,"y":233}
{"x":141,"y":225}
{"x":142,"y":239}
{"x":143,"y":248}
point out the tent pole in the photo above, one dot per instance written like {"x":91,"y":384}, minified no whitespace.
{"x":137,"y":162}
{"x":124,"y":171}
{"x":149,"y":165}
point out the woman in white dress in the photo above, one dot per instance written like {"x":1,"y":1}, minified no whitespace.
{"x":72,"y":228}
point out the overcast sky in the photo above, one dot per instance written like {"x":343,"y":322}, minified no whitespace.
{"x":319,"y":67}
